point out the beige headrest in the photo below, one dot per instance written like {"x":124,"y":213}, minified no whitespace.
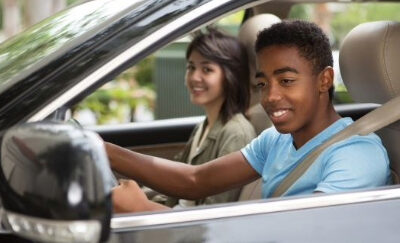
{"x":249,"y":30}
{"x":369,"y":61}
{"x":248,"y":35}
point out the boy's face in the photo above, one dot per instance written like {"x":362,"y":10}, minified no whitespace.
{"x":290,"y":91}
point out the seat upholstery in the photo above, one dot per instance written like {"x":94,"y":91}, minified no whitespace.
{"x":369,"y":61}
{"x":248,"y":35}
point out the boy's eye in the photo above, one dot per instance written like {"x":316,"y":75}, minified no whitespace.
{"x":261,"y":84}
{"x":286,"y":81}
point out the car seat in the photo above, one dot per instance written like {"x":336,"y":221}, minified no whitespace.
{"x":369,"y":64}
{"x":247,"y":35}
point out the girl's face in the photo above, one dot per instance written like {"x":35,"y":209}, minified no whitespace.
{"x":204,"y":80}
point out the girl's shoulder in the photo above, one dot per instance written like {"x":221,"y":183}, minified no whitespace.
{"x":239,"y":124}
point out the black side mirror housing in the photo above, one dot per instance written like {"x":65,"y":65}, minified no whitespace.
{"x":55,"y":183}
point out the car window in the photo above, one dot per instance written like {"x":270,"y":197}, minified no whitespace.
{"x":337,"y":19}
{"x":153,"y":89}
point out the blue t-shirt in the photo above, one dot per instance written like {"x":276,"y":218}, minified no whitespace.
{"x":354,"y":163}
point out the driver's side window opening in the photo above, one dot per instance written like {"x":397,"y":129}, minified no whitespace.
{"x":153,"y":89}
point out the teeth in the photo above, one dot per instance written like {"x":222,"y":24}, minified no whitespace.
{"x":198,"y":89}
{"x":279,"y":113}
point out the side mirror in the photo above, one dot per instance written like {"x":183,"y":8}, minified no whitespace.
{"x":55,"y":183}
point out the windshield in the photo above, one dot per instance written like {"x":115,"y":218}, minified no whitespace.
{"x":28,"y":48}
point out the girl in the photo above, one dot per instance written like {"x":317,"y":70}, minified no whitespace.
{"x":217,"y":79}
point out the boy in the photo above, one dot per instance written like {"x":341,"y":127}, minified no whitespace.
{"x":295,"y":76}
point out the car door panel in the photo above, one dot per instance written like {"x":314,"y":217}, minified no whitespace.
{"x":162,"y":138}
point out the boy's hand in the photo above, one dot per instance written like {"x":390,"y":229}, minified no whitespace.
{"x":128,"y":198}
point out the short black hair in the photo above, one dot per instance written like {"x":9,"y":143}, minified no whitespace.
{"x":309,"y":39}
{"x":231,"y":56}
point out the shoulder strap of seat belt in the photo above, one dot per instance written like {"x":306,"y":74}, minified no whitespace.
{"x":370,"y":122}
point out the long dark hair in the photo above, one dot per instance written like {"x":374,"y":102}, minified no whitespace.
{"x":231,"y":56}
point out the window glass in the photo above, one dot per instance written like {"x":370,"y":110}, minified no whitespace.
{"x":150,"y":90}
{"x":49,"y":36}
{"x":337,"y":19}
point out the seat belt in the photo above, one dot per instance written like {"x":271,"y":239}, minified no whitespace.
{"x":370,"y":122}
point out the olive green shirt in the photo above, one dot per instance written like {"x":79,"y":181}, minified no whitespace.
{"x":222,"y":139}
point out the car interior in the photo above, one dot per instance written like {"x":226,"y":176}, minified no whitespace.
{"x":378,"y":85}
{"x":367,"y":80}
{"x":257,"y":116}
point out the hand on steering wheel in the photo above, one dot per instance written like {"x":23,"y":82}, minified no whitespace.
{"x":128,"y":197}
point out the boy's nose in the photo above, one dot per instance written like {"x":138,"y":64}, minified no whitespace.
{"x":272,"y":94}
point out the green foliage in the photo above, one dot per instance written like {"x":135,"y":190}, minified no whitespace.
{"x":341,"y":96}
{"x":355,"y":14}
{"x":117,"y":100}
{"x":116,"y":104}
{"x":301,"y":11}
{"x":233,"y":19}
{"x":231,"y":23}
{"x":144,"y":72}
{"x":69,"y":2}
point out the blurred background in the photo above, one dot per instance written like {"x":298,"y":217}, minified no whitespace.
{"x":17,"y":15}
{"x":154,"y":88}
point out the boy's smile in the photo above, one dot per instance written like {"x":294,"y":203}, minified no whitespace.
{"x":291,"y":92}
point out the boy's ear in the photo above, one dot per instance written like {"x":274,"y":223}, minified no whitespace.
{"x":326,"y":79}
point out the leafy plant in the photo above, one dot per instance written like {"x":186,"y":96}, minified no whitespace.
{"x":117,"y":101}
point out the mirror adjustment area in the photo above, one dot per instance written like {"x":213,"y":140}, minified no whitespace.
{"x":55,"y":183}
